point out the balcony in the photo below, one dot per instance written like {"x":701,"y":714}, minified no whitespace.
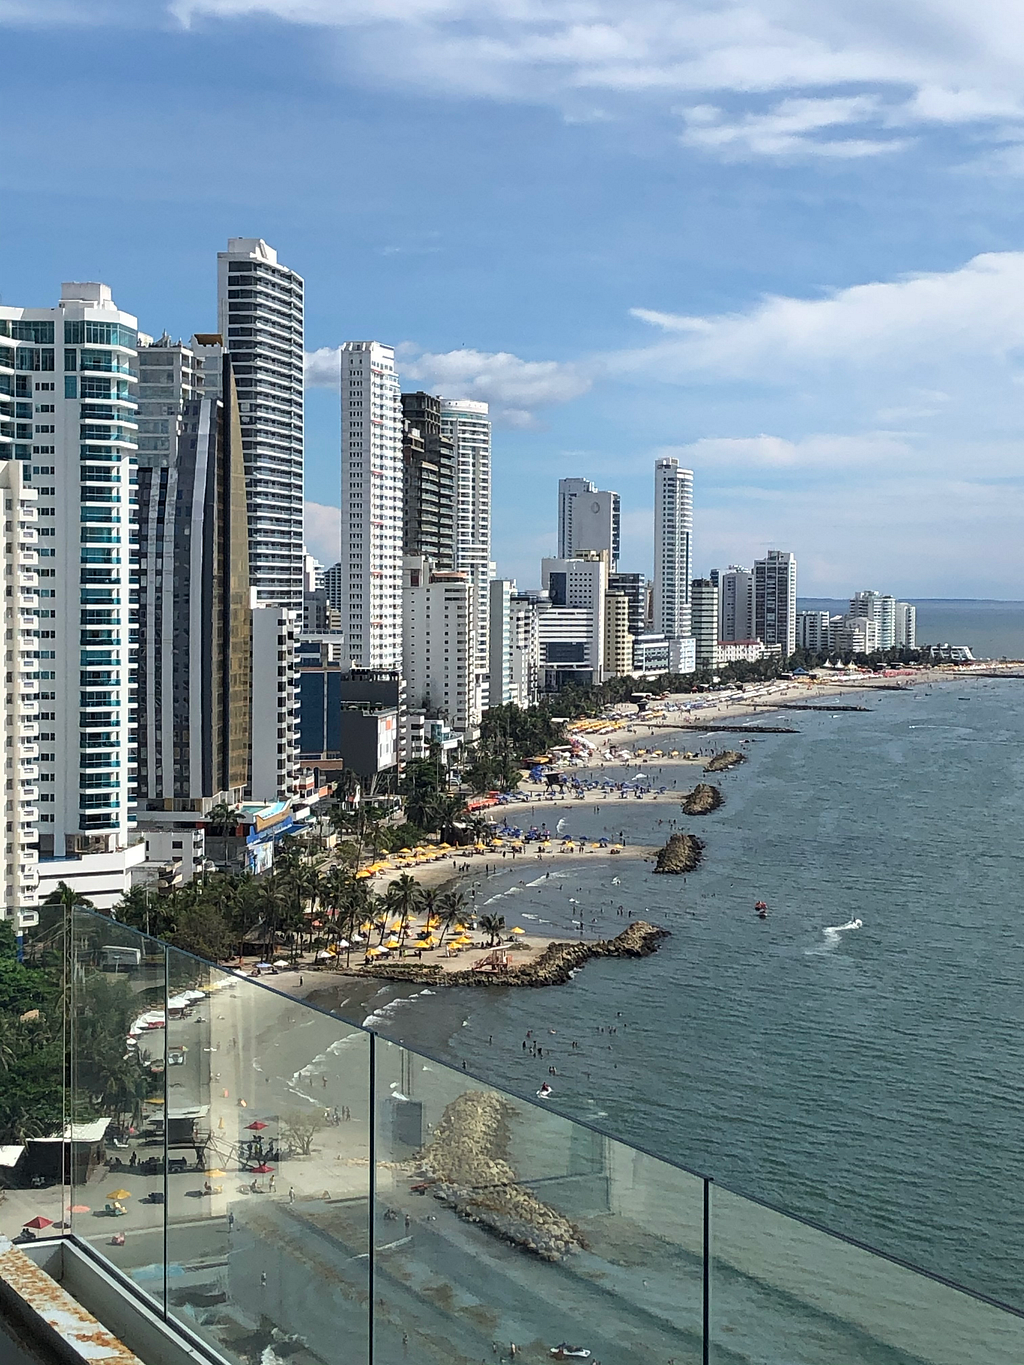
{"x":404,"y":1213}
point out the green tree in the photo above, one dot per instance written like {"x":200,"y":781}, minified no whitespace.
{"x":492,"y":925}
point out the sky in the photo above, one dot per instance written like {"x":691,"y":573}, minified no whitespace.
{"x":778,"y":240}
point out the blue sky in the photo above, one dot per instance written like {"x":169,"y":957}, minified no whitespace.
{"x":780,"y":241}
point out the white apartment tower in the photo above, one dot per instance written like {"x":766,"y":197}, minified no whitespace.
{"x":260,"y":317}
{"x":19,"y":864}
{"x":735,"y":604}
{"x":880,"y":608}
{"x":775,"y":600}
{"x":74,"y":386}
{"x":906,"y":625}
{"x":274,"y":756}
{"x":467,"y":425}
{"x":673,"y":547}
{"x":500,"y":643}
{"x":371,"y":504}
{"x":437,"y":631}
{"x":588,"y":519}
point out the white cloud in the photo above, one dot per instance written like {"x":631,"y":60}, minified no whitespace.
{"x":787,"y":129}
{"x":513,"y":387}
{"x":933,"y":322}
{"x":322,"y":531}
{"x":835,"y":453}
{"x":917,"y":64}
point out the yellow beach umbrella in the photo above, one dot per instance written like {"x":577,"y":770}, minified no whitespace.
{"x":517,"y":930}
{"x":392,"y":943}
{"x":119,"y":1194}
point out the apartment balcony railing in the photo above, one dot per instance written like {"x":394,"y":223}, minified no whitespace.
{"x":294,"y":1184}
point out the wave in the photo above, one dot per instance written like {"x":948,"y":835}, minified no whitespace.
{"x":842,"y":928}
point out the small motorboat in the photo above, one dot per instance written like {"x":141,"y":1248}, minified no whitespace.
{"x":566,"y":1352}
{"x":761,"y":910}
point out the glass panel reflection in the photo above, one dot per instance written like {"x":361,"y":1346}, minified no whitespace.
{"x":788,"y":1294}
{"x":117,"y":1096}
{"x":267,"y":1237}
{"x":502,"y":1228}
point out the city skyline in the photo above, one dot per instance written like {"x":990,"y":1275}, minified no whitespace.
{"x":774,"y":279}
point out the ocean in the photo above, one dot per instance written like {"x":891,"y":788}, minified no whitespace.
{"x":993,"y":629}
{"x":870,"y":1078}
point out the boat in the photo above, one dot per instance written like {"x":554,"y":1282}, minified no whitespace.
{"x":544,"y":1091}
{"x":762,"y":914}
{"x":761,"y":909}
{"x":566,"y":1352}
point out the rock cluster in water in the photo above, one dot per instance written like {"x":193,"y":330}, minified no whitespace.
{"x":554,"y":966}
{"x":702,"y":800}
{"x":682,"y":853}
{"x":468,"y":1159}
{"x":721,"y":762}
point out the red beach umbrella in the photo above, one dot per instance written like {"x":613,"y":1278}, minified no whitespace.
{"x":255,"y":1126}
{"x":39,"y":1222}
{"x":262,"y":1169}
{"x":79,"y":1208}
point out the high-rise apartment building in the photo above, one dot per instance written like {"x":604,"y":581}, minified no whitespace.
{"x":437,"y":630}
{"x":880,"y":608}
{"x":618,"y":642}
{"x":75,"y":427}
{"x":466,"y":423}
{"x":813,"y":631}
{"x":775,"y":600}
{"x":274,"y":753}
{"x":334,"y":585}
{"x":194,"y":637}
{"x":906,"y":625}
{"x":20,"y":715}
{"x":588,"y":519}
{"x":673,"y":547}
{"x":704,"y":621}
{"x":572,"y":629}
{"x":260,"y":317}
{"x":428,"y":459}
{"x":633,"y":586}
{"x":372,"y":515}
{"x":500,"y":643}
{"x":735,"y":603}
{"x":525,"y":611}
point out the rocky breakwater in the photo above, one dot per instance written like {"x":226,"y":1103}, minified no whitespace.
{"x":682,"y":853}
{"x":722,"y":762}
{"x":702,"y":800}
{"x":554,"y":966}
{"x":469,"y":1164}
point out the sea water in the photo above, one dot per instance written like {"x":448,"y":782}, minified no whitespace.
{"x":858,"y":1057}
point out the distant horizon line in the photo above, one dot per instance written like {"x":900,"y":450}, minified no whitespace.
{"x":996,"y":601}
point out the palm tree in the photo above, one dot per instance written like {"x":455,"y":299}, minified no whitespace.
{"x":404,"y":894}
{"x":69,"y":898}
{"x":451,"y":907}
{"x":492,"y":925}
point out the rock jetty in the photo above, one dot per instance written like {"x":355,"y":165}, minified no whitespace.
{"x":702,"y":800}
{"x":722,"y":762}
{"x":468,"y":1161}
{"x":555,"y":965}
{"x":682,"y":853}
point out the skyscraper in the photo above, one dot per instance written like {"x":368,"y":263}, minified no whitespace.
{"x":437,"y":626}
{"x":428,"y":458}
{"x":371,"y":504}
{"x":466,"y":423}
{"x":880,"y":608}
{"x":588,"y":519}
{"x":194,"y":664}
{"x":20,"y":715}
{"x":260,"y":311}
{"x":775,"y":600}
{"x":704,"y":619}
{"x":735,"y":604}
{"x":78,"y":433}
{"x":673,"y":547}
{"x":906,"y":625}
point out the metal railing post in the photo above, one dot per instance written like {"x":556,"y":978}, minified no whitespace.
{"x":372,"y":1210}
{"x":706,"y":1314}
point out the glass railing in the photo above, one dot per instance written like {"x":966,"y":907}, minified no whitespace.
{"x":289,"y":1185}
